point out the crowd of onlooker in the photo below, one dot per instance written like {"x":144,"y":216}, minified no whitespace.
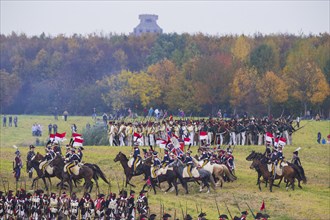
{"x":36,"y":129}
{"x":11,"y":119}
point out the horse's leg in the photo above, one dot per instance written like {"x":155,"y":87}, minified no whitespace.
{"x":176,"y":187}
{"x":33,"y":182}
{"x":271,"y":184}
{"x":299,"y":184}
{"x":44,"y":180}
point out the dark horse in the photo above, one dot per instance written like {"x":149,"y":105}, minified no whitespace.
{"x":141,"y":169}
{"x":289,"y":173}
{"x":170,"y":177}
{"x":204,"y":175}
{"x":299,"y":171}
{"x":35,"y":162}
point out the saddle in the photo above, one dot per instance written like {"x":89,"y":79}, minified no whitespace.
{"x":75,"y":169}
{"x":47,"y":167}
{"x":278,"y":168}
{"x":194,"y":172}
{"x":130,"y":162}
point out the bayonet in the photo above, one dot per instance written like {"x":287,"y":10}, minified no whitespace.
{"x":251,"y":211}
{"x":231,"y":217}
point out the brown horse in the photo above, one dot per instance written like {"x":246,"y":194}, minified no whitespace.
{"x":34,"y":163}
{"x":288,"y":173}
{"x":141,"y":169}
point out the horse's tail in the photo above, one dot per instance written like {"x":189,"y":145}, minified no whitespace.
{"x":97,"y":170}
{"x":229,"y":174}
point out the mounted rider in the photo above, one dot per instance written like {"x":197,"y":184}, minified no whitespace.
{"x":189,"y":162}
{"x":73,"y":160}
{"x":136,"y":156}
{"x":80,"y":153}
{"x":156,"y":163}
{"x":29,"y":156}
{"x":295,"y":159}
{"x":166,"y":158}
{"x":49,"y":157}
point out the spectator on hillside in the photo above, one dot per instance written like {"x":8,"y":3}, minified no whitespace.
{"x":105,"y":119}
{"x":55,"y":128}
{"x":4,"y":121}
{"x":88,"y":126}
{"x":74,"y":128}
{"x":319,"y":136}
{"x":151,"y":111}
{"x":65,"y":115}
{"x":94,"y":113}
{"x":50,"y":127}
{"x":15,"y":121}
{"x":10,"y":121}
{"x":55,"y":113}
{"x":298,"y":122}
{"x":317,"y":117}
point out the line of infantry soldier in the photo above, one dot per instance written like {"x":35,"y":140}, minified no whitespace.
{"x":39,"y":205}
{"x":245,"y":131}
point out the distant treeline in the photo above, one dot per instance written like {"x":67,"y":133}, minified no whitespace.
{"x":198,"y":73}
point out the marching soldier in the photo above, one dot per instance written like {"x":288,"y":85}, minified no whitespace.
{"x":99,"y":205}
{"x":142,"y":203}
{"x":20,"y":205}
{"x":122,"y":205}
{"x":64,"y":206}
{"x":36,"y":204}
{"x":73,"y":206}
{"x":111,"y":211}
{"x":54,"y":205}
{"x":86,"y":205}
{"x":2,"y":205}
{"x":29,"y":156}
{"x":112,"y":132}
{"x":17,"y":165}
{"x":121,"y":134}
{"x":45,"y":206}
{"x":131,"y":206}
{"x":10,"y":204}
{"x":129,"y":134}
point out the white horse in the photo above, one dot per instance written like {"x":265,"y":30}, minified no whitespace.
{"x":218,"y":170}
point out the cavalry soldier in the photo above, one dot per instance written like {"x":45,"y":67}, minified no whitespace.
{"x":80,"y":153}
{"x":142,"y":203}
{"x":57,"y":148}
{"x":136,"y":156}
{"x":17,"y":165}
{"x":230,"y":161}
{"x":29,"y":156}
{"x":73,"y":160}
{"x":131,"y":206}
{"x":49,"y":157}
{"x":54,"y":205}
{"x":111,"y":211}
{"x":274,"y":160}
{"x":68,"y":152}
{"x":295,"y":159}
{"x":189,"y":162}
{"x":73,"y":206}
{"x":86,"y":205}
{"x":166,"y":158}
{"x":156,"y":163}
{"x":99,"y":205}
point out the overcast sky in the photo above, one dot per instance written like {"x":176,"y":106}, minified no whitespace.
{"x":208,"y":17}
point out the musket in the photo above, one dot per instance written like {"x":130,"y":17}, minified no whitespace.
{"x":231,"y":217}
{"x":251,"y":211}
{"x":237,"y":204}
{"x":181,"y":211}
{"x":4,"y":186}
{"x":117,"y":184}
{"x":109,"y":186}
{"x":217,"y":206}
{"x":174,"y":214}
{"x":186,"y":208}
{"x":197,"y":208}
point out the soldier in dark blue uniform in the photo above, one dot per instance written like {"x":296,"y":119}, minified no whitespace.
{"x":29,"y":156}
{"x":17,"y":165}
{"x":136,"y":156}
{"x":166,"y":158}
{"x":295,"y":159}
{"x":73,"y":160}
{"x":189,"y":162}
{"x":80,"y":153}
{"x":156,"y":163}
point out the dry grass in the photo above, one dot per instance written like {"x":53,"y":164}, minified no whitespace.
{"x":311,"y":202}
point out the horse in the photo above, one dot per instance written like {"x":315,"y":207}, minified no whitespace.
{"x":288,"y":173}
{"x":217,"y":170}
{"x":35,"y":162}
{"x":170,"y":177}
{"x":121,"y":157}
{"x":203,"y":175}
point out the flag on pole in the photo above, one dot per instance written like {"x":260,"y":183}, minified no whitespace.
{"x":51,"y":137}
{"x":137,"y":138}
{"x":60,"y":137}
{"x":282,"y":141}
{"x":186,"y":141}
{"x":269,"y":137}
{"x":78,"y":141}
{"x":203,"y":135}
{"x":263,"y":207}
{"x":161,"y":143}
{"x":76,"y":135}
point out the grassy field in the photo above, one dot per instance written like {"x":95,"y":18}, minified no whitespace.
{"x":311,"y":202}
